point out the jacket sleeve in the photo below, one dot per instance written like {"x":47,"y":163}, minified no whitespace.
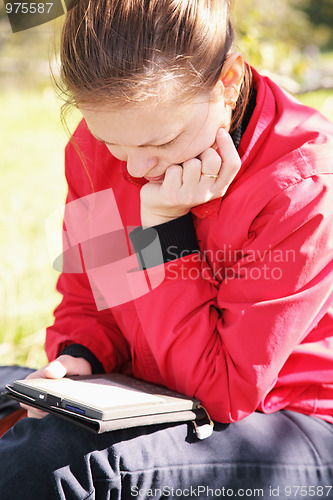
{"x":225,"y":341}
{"x":78,"y":326}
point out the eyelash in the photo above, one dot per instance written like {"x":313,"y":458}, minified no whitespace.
{"x":161,"y":146}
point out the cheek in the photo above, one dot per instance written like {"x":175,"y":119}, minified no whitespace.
{"x":197,"y":146}
{"x":117,"y":153}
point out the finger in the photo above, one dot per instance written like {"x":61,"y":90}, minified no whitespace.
{"x":173,"y":177}
{"x":192,"y":171}
{"x":36,"y":374}
{"x":64,"y":365}
{"x":56,"y":369}
{"x":231,"y":162}
{"x":210,"y":162}
{"x":67,"y":365}
{"x":33,"y":412}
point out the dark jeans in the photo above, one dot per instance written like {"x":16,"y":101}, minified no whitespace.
{"x":282,"y":455}
{"x":7,"y":375}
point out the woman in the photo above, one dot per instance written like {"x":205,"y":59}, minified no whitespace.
{"x":184,"y":144}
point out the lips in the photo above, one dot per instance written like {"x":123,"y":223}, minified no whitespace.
{"x":155,"y":179}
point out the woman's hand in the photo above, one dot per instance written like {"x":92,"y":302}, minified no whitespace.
{"x":184,"y":186}
{"x":64,"y":365}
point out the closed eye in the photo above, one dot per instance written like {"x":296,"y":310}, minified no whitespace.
{"x":162,"y":146}
{"x":167,"y":144}
{"x":159,"y":146}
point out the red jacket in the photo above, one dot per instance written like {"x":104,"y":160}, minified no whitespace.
{"x":249,"y":325}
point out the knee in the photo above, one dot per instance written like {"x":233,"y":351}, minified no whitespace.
{"x":30,"y":452}
{"x":50,"y":457}
{"x":33,"y":444}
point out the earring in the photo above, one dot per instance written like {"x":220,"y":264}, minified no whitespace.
{"x":233,"y":104}
{"x":233,"y":100}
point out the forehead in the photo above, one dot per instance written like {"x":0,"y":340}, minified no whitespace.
{"x":144,"y":121}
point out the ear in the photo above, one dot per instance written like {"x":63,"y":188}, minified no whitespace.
{"x":233,"y":71}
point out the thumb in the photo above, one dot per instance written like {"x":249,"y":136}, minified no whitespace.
{"x":67,"y":365}
{"x":55,"y":369}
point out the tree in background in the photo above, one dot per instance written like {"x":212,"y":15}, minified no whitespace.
{"x":281,"y":37}
{"x":321,"y":15}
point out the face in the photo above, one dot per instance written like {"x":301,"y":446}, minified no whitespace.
{"x":151,"y":138}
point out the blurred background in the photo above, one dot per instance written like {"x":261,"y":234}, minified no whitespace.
{"x":290,"y":40}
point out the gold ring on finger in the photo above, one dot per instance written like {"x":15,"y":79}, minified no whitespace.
{"x":211,"y":176}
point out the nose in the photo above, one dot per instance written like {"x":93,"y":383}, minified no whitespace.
{"x":139,"y":163}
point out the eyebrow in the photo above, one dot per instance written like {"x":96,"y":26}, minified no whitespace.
{"x":148,"y":143}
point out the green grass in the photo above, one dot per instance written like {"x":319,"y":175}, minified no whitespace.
{"x":321,"y":100}
{"x":32,"y":187}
